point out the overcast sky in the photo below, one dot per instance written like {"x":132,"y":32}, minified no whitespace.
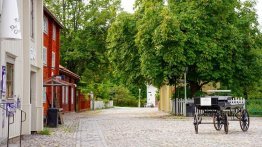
{"x":128,"y":6}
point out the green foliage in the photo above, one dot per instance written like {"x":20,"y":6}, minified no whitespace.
{"x":123,"y":53}
{"x":254,"y":107}
{"x":157,"y":95}
{"x":214,"y":39}
{"x":218,"y":41}
{"x":83,"y":41}
{"x":45,"y":131}
{"x":122,"y":97}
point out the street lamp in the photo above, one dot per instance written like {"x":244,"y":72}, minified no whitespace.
{"x":139,"y":97}
{"x":185,"y":81}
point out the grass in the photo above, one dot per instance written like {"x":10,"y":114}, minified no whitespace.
{"x":45,"y":131}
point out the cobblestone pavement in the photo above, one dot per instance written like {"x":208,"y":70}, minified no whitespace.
{"x":134,"y":127}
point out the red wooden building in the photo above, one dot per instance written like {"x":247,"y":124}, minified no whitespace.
{"x":67,"y":94}
{"x":51,"y":54}
{"x":59,"y":82}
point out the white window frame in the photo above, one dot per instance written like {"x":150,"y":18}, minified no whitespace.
{"x":66,"y":95}
{"x":45,"y":27}
{"x":72,"y":95}
{"x":44,"y":55}
{"x":53,"y":59}
{"x":54,"y":32}
{"x":63,"y":94}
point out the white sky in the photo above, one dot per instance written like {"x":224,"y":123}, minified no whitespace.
{"x":128,"y":6}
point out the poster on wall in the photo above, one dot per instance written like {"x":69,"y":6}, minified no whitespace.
{"x":3,"y":80}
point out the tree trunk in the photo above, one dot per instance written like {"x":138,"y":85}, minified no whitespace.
{"x":194,"y":87}
{"x":245,"y":93}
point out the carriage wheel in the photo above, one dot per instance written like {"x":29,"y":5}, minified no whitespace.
{"x":217,"y":122}
{"x":225,"y":124}
{"x":244,"y":120}
{"x":196,"y":117}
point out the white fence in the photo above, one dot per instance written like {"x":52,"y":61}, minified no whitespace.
{"x":102,"y":105}
{"x":181,"y":106}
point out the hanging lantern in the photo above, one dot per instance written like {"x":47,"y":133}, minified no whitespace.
{"x":10,"y":23}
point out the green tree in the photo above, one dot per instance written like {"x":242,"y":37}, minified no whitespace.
{"x":122,"y":51}
{"x":213,"y":39}
{"x":83,"y":41}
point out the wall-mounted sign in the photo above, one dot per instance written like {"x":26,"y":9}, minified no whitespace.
{"x":32,"y":54}
{"x":11,"y":109}
{"x":205,"y":101}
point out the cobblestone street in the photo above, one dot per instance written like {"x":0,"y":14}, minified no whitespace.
{"x":131,"y":127}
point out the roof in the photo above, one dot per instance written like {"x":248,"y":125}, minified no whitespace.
{"x":62,"y":69}
{"x":47,"y":11}
{"x":55,"y":81}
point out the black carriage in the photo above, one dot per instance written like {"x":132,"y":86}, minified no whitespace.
{"x":222,"y":109}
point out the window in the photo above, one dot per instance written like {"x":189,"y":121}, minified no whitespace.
{"x":44,"y":56}
{"x":32,"y":18}
{"x":45,"y":25}
{"x":54,"y":32}
{"x":63,"y":95}
{"x":72,"y":95}
{"x":53,"y":59}
{"x":66,"y":95}
{"x":9,"y":80}
{"x":44,"y":95}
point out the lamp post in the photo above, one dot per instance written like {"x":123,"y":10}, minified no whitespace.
{"x":185,"y":91}
{"x":139,"y":97}
{"x":185,"y":81}
{"x":92,"y":99}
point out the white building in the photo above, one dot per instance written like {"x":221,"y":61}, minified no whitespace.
{"x":151,"y":95}
{"x":22,"y":60}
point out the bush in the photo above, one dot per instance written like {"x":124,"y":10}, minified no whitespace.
{"x":122,"y":97}
{"x":124,"y":102}
{"x":254,"y":107}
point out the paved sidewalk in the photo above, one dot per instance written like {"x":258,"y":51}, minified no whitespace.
{"x":144,"y":127}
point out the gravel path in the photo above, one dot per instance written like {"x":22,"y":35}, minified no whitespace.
{"x":142,"y":127}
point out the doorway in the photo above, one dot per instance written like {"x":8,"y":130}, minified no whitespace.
{"x":33,"y":100}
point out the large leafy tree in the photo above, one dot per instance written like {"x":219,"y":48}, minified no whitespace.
{"x":159,"y":40}
{"x":123,"y":53}
{"x":83,"y":42}
{"x":213,"y":39}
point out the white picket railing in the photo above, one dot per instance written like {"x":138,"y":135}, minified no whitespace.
{"x":238,"y":101}
{"x":179,"y":105}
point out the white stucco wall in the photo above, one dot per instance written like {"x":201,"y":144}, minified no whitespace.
{"x":151,"y":94}
{"x":19,"y":51}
